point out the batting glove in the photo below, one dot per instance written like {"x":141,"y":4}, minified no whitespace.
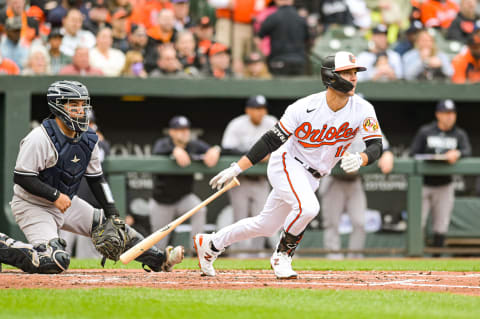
{"x":351,"y":162}
{"x":225,"y":176}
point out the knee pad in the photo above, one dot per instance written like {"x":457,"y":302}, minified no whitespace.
{"x":153,"y":258}
{"x":53,"y":257}
{"x":44,"y":259}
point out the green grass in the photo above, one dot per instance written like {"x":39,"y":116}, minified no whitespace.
{"x":255,"y":303}
{"x":436,"y":264}
{"x":252,"y":303}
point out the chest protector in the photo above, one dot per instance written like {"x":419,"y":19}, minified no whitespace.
{"x":73,"y":158}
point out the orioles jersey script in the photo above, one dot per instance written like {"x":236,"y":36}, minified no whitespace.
{"x":319,"y":137}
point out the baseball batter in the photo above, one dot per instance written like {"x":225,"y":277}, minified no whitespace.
{"x":311,"y":137}
{"x":51,"y":162}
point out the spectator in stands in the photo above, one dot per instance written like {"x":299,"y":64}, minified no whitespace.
{"x":73,"y":33}
{"x":240,"y":134}
{"x":167,"y":63}
{"x":438,"y":13}
{"x":29,"y":25}
{"x":104,"y":57}
{"x":114,"y":6}
{"x":448,"y":143}
{"x":138,"y":39}
{"x":98,"y":16}
{"x":234,"y":27}
{"x":219,"y":61}
{"x":38,"y":62}
{"x":187,"y":53}
{"x":255,"y":67}
{"x":345,"y":193}
{"x":133,"y":66}
{"x":289,"y":40}
{"x":335,"y":12}
{"x":465,"y":23}
{"x":147,"y":13}
{"x":169,"y":201}
{"x":204,"y":35}
{"x":11,"y":46}
{"x":425,"y":61}
{"x":56,"y":15}
{"x":393,"y":13}
{"x":57,"y":59}
{"x":466,"y":65}
{"x":362,"y":16}
{"x":7,"y":66}
{"x":264,"y":45}
{"x":119,"y":29}
{"x":408,"y":41}
{"x":163,"y":31}
{"x":181,"y":10}
{"x":80,"y":64}
{"x":374,"y":59}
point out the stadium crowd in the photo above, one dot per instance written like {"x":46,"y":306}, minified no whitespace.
{"x":403,"y":39}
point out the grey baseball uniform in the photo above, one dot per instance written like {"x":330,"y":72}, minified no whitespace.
{"x":248,"y":199}
{"x":345,"y":194}
{"x":38,"y":218}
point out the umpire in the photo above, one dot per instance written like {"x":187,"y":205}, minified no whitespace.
{"x":447,"y":142}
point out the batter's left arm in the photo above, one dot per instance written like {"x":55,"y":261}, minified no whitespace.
{"x":373,"y":151}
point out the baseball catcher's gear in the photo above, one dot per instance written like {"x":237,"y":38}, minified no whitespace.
{"x":110,"y":238}
{"x":339,"y":62}
{"x":288,"y":243}
{"x":61,"y":93}
{"x":50,"y":258}
{"x":351,"y":162}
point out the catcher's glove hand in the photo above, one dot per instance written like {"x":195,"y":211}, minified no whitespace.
{"x":110,"y":238}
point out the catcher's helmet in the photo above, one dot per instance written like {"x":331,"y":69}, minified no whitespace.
{"x":61,"y":93}
{"x":339,"y":62}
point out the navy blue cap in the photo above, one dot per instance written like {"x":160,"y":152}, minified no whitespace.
{"x":446,"y":106}
{"x":256,"y":101}
{"x":380,"y":28}
{"x":179,"y":121}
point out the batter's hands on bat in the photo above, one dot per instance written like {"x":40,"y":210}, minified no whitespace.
{"x":62,"y":202}
{"x":225,"y":176}
{"x":351,"y":162}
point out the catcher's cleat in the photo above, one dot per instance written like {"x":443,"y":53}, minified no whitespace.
{"x":281,"y":264}
{"x":174,"y":256}
{"x":206,"y":255}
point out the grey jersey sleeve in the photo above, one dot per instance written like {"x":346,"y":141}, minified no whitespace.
{"x":36,"y":153}
{"x":95,"y":166}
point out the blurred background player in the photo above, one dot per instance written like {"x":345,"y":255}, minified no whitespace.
{"x":241,"y":133}
{"x":447,"y":142}
{"x":345,"y":193}
{"x":173,"y":194}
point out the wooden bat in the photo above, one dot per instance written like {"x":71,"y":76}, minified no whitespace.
{"x":155,"y":237}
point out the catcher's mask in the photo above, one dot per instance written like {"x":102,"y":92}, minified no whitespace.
{"x":332,"y":64}
{"x":70,"y":102}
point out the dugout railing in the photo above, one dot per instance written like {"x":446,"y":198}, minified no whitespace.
{"x":17,"y":94}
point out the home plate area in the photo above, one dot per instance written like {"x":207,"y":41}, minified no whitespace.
{"x":452,"y":282}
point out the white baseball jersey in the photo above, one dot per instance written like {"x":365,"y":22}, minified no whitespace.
{"x":38,"y":153}
{"x":319,"y":136}
{"x":241,"y":133}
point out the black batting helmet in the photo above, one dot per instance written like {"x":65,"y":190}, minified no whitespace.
{"x":61,"y":93}
{"x":339,"y":62}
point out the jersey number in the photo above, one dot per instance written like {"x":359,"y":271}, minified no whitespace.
{"x":341,"y":150}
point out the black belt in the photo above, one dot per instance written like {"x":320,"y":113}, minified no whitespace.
{"x":312,"y":171}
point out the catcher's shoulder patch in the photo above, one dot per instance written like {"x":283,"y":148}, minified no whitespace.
{"x":370,"y":125}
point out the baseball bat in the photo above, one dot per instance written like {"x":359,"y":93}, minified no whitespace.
{"x":155,"y":237}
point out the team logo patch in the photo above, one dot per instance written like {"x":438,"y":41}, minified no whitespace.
{"x":370,"y":125}
{"x":352,"y":58}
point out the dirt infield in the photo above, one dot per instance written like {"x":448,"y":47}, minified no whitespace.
{"x":452,"y":282}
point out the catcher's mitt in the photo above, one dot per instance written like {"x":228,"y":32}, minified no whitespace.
{"x":110,"y":238}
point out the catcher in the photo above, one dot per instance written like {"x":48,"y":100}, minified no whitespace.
{"x":51,"y":162}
